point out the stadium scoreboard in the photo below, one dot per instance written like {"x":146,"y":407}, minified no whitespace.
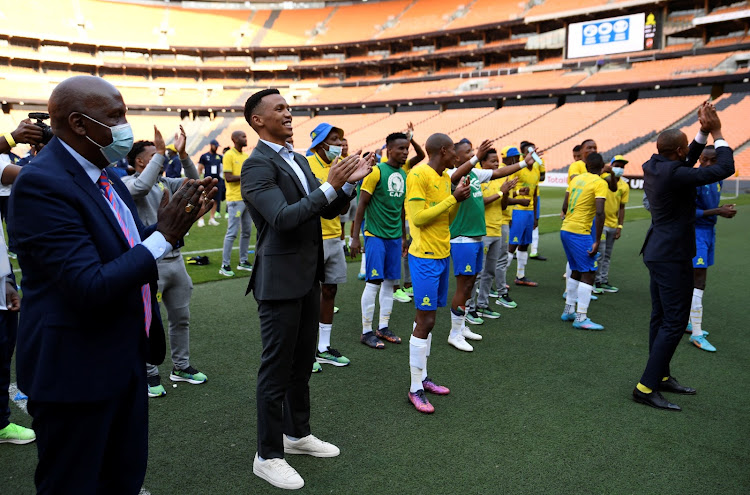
{"x":621,"y":34}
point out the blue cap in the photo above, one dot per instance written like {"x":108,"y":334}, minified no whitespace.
{"x":509,"y":151}
{"x":214,"y":142}
{"x":321,"y":132}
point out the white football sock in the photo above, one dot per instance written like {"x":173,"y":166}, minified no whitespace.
{"x":457,"y":323}
{"x":368,"y":306}
{"x":429,"y":348}
{"x":362,"y":266}
{"x":584,"y":298}
{"x":417,"y":361}
{"x":324,"y":336}
{"x":571,"y":292}
{"x":510,"y":258}
{"x":696,"y":312}
{"x":522,"y":257}
{"x":568,"y":271}
{"x":534,"y":241}
{"x":386,"y":302}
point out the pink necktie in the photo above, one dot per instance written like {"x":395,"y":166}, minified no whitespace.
{"x":106,"y":187}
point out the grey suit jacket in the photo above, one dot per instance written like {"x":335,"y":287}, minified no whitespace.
{"x":289,"y":248}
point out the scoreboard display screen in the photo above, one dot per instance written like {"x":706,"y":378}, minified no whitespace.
{"x":622,"y":34}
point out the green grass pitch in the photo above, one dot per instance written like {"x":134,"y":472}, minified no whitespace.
{"x":537,"y":408}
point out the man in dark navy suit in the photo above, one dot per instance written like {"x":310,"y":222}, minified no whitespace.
{"x":670,"y":181}
{"x":89,"y":316}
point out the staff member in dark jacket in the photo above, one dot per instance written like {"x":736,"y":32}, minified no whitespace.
{"x":669,"y":248}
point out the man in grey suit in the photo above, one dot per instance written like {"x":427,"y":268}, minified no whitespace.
{"x":286,"y":203}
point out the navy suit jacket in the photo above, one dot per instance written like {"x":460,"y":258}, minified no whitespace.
{"x":670,"y":187}
{"x":81,"y":334}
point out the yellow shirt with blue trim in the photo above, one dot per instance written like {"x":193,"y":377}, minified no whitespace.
{"x":583,"y":191}
{"x":493,"y":212}
{"x":425,"y":186}
{"x":526,"y":178}
{"x":232,"y":163}
{"x":576,"y":168}
{"x":331,"y":228}
{"x":613,"y":202}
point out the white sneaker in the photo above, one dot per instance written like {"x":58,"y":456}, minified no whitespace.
{"x":213,"y":222}
{"x":459,"y":342}
{"x":201,"y":223}
{"x":310,"y":445}
{"x":470,"y":335}
{"x":278,"y":472}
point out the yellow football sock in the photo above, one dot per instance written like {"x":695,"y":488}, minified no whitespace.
{"x":665,"y":379}
{"x":643,"y":388}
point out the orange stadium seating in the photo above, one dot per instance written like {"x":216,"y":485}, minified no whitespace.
{"x":359,"y":22}
{"x":501,"y":122}
{"x":422,"y":16}
{"x":294,"y":27}
{"x":630,"y":122}
{"x":734,"y":128}
{"x":560,"y":6}
{"x":487,"y":12}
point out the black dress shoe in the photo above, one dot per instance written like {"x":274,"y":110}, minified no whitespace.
{"x":672,"y":385}
{"x":654,"y":399}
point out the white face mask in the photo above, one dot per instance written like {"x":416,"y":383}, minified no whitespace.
{"x":618,"y":171}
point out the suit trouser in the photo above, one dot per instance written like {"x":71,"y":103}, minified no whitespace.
{"x":175,"y":290}
{"x":605,"y":253}
{"x":288,"y":332}
{"x":671,"y":295}
{"x":502,"y":261}
{"x":8,"y":330}
{"x":93,"y":447}
{"x":483,"y":282}
{"x":239,"y":215}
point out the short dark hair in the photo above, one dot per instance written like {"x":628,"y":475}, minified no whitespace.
{"x":491,"y":151}
{"x":583,"y":143}
{"x":395,"y":136}
{"x":137,"y":149}
{"x":576,"y":148}
{"x":464,"y":141}
{"x":709,"y":147}
{"x":595,"y":161}
{"x":254,"y":100}
{"x":525,"y":144}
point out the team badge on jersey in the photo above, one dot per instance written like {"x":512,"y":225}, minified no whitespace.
{"x":396,"y":186}
{"x":426,"y":301}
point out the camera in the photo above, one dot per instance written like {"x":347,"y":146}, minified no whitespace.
{"x":40,"y":117}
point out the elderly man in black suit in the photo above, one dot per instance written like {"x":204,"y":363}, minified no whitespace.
{"x":286,"y":202}
{"x":670,"y":181}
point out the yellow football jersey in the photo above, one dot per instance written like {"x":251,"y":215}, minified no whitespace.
{"x":232,"y":163}
{"x":583,"y":191}
{"x":614,"y":200}
{"x":526,"y":178}
{"x":493,"y":212}
{"x":576,"y":168}
{"x":331,"y":228}
{"x":426,"y":189}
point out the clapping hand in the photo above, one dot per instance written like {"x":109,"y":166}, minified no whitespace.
{"x":159,"y":143}
{"x":189,"y":203}
{"x":463,"y":190}
{"x":727,"y":211}
{"x":508,"y":185}
{"x":180,"y":140}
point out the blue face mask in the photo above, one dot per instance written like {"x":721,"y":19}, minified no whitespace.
{"x":333,"y":152}
{"x":618,"y":171}
{"x":122,"y":141}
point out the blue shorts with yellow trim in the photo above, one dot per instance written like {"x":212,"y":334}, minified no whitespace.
{"x":538,"y":207}
{"x":383,"y":260}
{"x":467,"y":257}
{"x":705,"y":240}
{"x":521,"y":227}
{"x":576,"y":247}
{"x":429,"y":279}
